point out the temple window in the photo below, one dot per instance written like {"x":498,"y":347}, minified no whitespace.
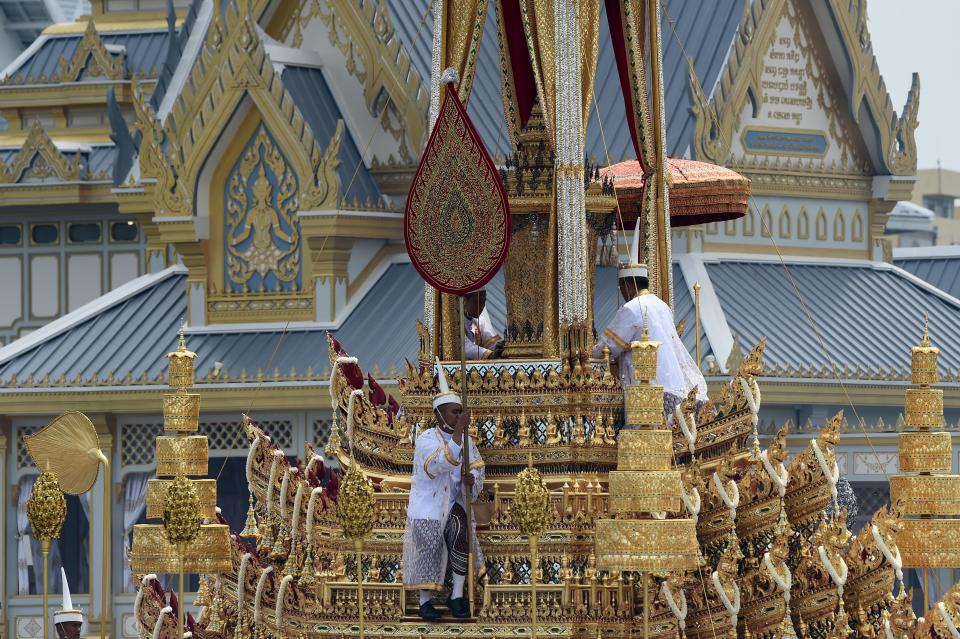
{"x":10,"y":235}
{"x":44,"y":233}
{"x":86,"y":232}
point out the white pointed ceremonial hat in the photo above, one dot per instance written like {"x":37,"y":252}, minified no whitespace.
{"x":445,"y":396}
{"x":67,"y":612}
{"x":633,"y":267}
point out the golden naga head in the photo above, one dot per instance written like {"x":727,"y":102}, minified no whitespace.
{"x":887,"y":520}
{"x":830,"y":433}
{"x":834,"y":534}
{"x":777,"y":450}
{"x":729,"y":565}
{"x":752,"y":365}
{"x":692,"y":477}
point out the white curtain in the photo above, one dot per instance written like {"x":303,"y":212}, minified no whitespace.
{"x":134,"y":504}
{"x":24,"y":550}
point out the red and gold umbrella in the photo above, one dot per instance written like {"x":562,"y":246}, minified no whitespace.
{"x":699,"y":192}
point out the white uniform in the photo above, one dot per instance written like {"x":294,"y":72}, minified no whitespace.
{"x":481,"y":337}
{"x":676,"y":370}
{"x":435,"y":488}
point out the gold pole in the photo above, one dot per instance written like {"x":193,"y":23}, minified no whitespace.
{"x":534,"y":565}
{"x":45,"y":551}
{"x":357,"y":546}
{"x":181,"y":612}
{"x":646,"y":608}
{"x":465,"y":451}
{"x":663,"y":258}
{"x":696,"y":308}
{"x":926,"y":591}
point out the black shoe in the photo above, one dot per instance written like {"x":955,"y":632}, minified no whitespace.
{"x":428,"y":612}
{"x":459,"y":608}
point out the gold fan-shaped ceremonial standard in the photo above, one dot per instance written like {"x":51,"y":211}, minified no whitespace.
{"x":69,"y":448}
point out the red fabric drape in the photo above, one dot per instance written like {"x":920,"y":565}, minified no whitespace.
{"x":525,"y":88}
{"x":617,"y":38}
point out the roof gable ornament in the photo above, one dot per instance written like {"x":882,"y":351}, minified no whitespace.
{"x":718,"y":117}
{"x":92,"y":59}
{"x":39,"y":159}
{"x":231,"y":66}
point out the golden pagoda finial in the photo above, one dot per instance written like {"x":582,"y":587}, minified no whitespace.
{"x":645,"y":335}
{"x":182,"y":345}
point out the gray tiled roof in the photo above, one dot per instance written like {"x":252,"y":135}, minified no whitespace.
{"x":133,"y":334}
{"x":942,"y":271}
{"x":706,"y":31}
{"x":145,"y":53}
{"x":868,"y":315}
{"x":309,"y":90}
{"x":97,"y":161}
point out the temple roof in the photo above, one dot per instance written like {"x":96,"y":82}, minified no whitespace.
{"x":868,"y":315}
{"x":867,"y":337}
{"x":144,"y":54}
{"x":319,"y":108}
{"x":707,"y":31}
{"x":938,"y":265}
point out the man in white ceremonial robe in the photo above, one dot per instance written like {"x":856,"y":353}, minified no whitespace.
{"x":676,"y":370}
{"x":481,"y":340}
{"x":436,"y":530}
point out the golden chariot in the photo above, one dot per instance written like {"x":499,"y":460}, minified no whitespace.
{"x":679,"y":528}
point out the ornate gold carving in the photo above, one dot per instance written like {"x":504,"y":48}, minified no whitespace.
{"x":926,"y":494}
{"x":646,"y":545}
{"x":923,"y":408}
{"x":645,"y":450}
{"x":157,"y":496}
{"x":531,"y":510}
{"x":181,"y":412}
{"x":365,"y":35}
{"x":644,"y":405}
{"x":182,"y":456}
{"x":925,"y":452}
{"x":46,"y":508}
{"x":930,"y":543}
{"x":180,"y":364}
{"x":923,"y":361}
{"x":39,"y":159}
{"x":266,"y":224}
{"x":92,"y":60}
{"x":719,"y":117}
{"x":208,"y":553}
{"x":356,"y":507}
{"x":637,"y":491}
{"x":175,"y":152}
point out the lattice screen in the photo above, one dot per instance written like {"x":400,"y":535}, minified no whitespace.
{"x":138,"y":444}
{"x":138,"y":441}
{"x":23,"y":457}
{"x":321,"y":432}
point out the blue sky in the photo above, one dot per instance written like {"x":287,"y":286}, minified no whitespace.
{"x":923,"y":36}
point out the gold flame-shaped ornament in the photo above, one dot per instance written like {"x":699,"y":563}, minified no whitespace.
{"x":356,"y":506}
{"x":181,"y":514}
{"x":47,"y":507}
{"x":530,"y":510}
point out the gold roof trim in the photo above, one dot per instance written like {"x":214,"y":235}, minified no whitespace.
{"x":231,"y":65}
{"x":92,"y":58}
{"x":40,"y":158}
{"x":719,"y":116}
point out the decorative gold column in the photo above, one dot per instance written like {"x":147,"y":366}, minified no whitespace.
{"x":928,"y":497}
{"x":645,"y":483}
{"x":181,"y":455}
